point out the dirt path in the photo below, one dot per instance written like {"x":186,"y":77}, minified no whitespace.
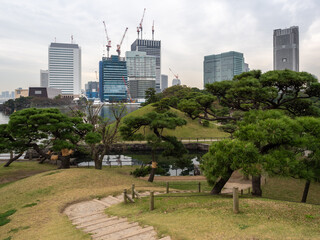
{"x":89,"y":216}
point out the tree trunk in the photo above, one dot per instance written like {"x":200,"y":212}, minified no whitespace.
{"x":98,"y":164}
{"x":220,"y":184}
{"x":11,"y":160}
{"x":65,"y":162}
{"x":306,"y":191}
{"x":256,"y":186}
{"x":152,"y":173}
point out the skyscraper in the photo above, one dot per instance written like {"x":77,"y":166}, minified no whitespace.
{"x":44,"y":78}
{"x":113,"y":79}
{"x":286,"y":49}
{"x":65,"y":68}
{"x":152,"y":48}
{"x":141,"y":73}
{"x":164,"y":82}
{"x":223,"y":66}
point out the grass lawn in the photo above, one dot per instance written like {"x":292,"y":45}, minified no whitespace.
{"x":290,"y":189}
{"x":40,"y":200}
{"x":18,"y":170}
{"x":209,"y":217}
{"x":192,"y":130}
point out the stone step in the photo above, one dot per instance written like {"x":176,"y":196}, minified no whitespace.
{"x":118,"y":234}
{"x":138,"y":232}
{"x":107,"y":225}
{"x":115,"y":229}
{"x":88,"y":219}
{"x":101,"y":202}
{"x":93,"y":223}
{"x":86,"y":215}
{"x":116,"y":199}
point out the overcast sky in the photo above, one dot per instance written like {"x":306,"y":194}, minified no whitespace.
{"x":188,"y":31}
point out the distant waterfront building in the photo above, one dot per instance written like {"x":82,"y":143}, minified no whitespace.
{"x":141,"y":73}
{"x":176,"y":81}
{"x":286,"y":49}
{"x":65,"y":68}
{"x":21,"y":93}
{"x":44,"y":92}
{"x":224,"y":66}
{"x":152,"y":48}
{"x":164,"y":82}
{"x":92,"y":89}
{"x":44,"y":78}
{"x":113,"y":79}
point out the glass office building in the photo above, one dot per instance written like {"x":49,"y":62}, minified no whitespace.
{"x":152,"y":48}
{"x":286,"y":49}
{"x":113,"y":79}
{"x":223,"y":66}
{"x":141,"y":73}
{"x":164,"y":82}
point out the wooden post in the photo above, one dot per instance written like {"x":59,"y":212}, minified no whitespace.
{"x":167,"y":191}
{"x":241,"y":192}
{"x":235,"y":200}
{"x":125,"y":196}
{"x":132,"y":190}
{"x":199,"y":187}
{"x":151,"y":201}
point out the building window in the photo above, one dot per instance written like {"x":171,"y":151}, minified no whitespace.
{"x":284,"y":59}
{"x":38,"y":92}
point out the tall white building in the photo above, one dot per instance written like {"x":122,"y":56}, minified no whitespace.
{"x":65,"y":68}
{"x":141,"y":73}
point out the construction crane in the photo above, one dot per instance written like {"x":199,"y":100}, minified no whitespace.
{"x":153,"y":30}
{"x":108,"y":39}
{"x":124,"y":81}
{"x":139,"y":28}
{"x":175,"y":75}
{"x":119,"y":45}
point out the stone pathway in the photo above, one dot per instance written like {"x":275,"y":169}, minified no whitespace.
{"x":89,"y":216}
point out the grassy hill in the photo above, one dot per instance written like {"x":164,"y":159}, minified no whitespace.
{"x":192,"y":130}
{"x":39,"y":201}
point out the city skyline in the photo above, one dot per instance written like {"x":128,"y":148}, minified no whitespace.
{"x":188,"y":31}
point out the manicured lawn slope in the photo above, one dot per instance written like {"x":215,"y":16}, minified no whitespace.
{"x":40,"y":200}
{"x":192,"y":130}
{"x":193,"y":218}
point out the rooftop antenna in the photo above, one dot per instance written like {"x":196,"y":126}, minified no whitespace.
{"x":55,"y":39}
{"x":71,"y":38}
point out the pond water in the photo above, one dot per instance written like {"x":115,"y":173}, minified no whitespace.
{"x":166,"y":164}
{"x":106,"y":112}
{"x":3,"y":118}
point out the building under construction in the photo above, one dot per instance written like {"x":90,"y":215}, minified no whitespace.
{"x":113,"y":79}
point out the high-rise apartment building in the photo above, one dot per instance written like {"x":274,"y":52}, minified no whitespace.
{"x":65,"y":68}
{"x":113,"y":79}
{"x":152,"y":48}
{"x":44,"y":78}
{"x":223,"y":66}
{"x":286,"y":49}
{"x":141,"y":73}
{"x":164,"y":82}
